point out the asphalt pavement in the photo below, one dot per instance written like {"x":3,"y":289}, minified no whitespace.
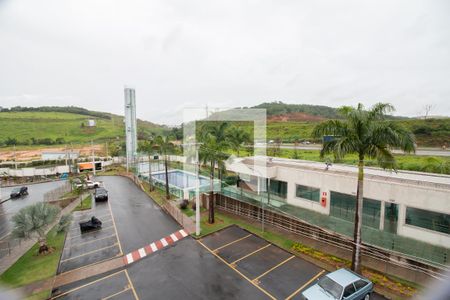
{"x":139,"y":220}
{"x":9,"y":208}
{"x":420,"y":151}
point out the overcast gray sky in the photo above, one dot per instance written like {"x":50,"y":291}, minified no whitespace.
{"x":224,"y":53}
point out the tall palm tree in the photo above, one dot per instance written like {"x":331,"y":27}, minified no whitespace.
{"x":214,"y":143}
{"x":237,"y":137}
{"x":165,"y":147}
{"x":368,"y":134}
{"x":149,"y":147}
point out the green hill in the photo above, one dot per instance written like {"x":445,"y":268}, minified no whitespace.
{"x":58,"y":127}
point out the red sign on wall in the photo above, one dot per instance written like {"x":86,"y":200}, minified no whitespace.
{"x":323,"y":200}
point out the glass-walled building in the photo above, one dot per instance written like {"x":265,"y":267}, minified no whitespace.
{"x":406,"y":212}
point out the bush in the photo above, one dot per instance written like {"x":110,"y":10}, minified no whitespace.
{"x":64,"y":223}
{"x":231,"y":180}
{"x":194,"y":206}
{"x":184,"y":204}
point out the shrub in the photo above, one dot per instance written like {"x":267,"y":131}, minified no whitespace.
{"x":64,"y":223}
{"x":184,"y":204}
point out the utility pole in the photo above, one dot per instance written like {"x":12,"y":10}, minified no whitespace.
{"x":197,"y":192}
{"x":93,"y":156}
{"x":15,"y":158}
{"x":65,"y":150}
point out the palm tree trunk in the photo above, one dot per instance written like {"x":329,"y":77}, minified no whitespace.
{"x":211,"y":195}
{"x":356,"y":256}
{"x":167,"y":178}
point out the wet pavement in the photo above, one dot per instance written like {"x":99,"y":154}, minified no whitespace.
{"x":139,"y":220}
{"x":279,"y":273}
{"x":9,"y":208}
{"x":82,"y":249}
{"x":115,"y":285}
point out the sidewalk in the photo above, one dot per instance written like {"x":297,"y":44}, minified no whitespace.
{"x":71,"y":276}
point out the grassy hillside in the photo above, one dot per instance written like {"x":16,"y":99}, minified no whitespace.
{"x":33,"y":127}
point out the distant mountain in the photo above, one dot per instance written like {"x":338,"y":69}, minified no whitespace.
{"x":302,"y":112}
{"x":280,"y":108}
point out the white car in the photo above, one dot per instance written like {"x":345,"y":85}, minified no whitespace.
{"x":92,"y":184}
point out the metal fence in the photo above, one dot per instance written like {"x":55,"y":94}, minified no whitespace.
{"x":182,"y":219}
{"x":56,"y":193}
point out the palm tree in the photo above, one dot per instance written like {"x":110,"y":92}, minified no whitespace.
{"x":165,"y":147}
{"x":214,"y":143}
{"x":237,"y":137}
{"x":32,"y":222}
{"x":149,"y":147}
{"x":368,"y":134}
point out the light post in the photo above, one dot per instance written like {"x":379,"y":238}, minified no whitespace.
{"x":197,"y":186}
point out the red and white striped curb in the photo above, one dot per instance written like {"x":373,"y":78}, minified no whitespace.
{"x":153,"y":247}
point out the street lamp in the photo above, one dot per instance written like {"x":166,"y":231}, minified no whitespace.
{"x":197,"y":186}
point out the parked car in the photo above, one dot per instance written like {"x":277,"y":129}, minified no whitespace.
{"x":340,"y":284}
{"x":101,"y":194}
{"x":92,"y":184}
{"x":77,"y":183}
{"x":92,"y":224}
{"x":19,"y":192}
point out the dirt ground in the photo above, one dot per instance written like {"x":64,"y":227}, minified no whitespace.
{"x":31,"y":154}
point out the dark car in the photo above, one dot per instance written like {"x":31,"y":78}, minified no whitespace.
{"x":101,"y":194}
{"x":19,"y":192}
{"x":92,"y":224}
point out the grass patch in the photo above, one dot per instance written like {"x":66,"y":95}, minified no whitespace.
{"x":39,"y":296}
{"x":32,"y":267}
{"x":188,"y":211}
{"x":85,"y":204}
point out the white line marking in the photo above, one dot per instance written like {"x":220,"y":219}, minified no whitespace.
{"x":153,"y":246}
{"x":129,"y":258}
{"x":174,"y":237}
{"x":142,"y":253}
{"x":183,"y":233}
{"x":164,"y":242}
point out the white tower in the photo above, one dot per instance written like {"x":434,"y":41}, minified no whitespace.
{"x":130,"y":125}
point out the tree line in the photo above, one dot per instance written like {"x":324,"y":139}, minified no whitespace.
{"x":9,"y":141}
{"x":63,"y":109}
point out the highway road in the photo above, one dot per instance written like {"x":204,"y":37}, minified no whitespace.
{"x":419,"y":151}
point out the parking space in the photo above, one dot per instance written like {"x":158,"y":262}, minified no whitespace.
{"x":82,"y":249}
{"x":277,"y":272}
{"x":112,"y":286}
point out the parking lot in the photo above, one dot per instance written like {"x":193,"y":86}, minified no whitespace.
{"x":92,"y":247}
{"x":116,"y":285}
{"x":278,"y":273}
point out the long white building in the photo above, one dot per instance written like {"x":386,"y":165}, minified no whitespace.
{"x":406,"y":204}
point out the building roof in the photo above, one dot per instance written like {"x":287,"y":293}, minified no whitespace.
{"x":343,"y":277}
{"x":61,"y":152}
{"x":410,"y":177}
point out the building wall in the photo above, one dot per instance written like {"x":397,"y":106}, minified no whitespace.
{"x":403,"y":194}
